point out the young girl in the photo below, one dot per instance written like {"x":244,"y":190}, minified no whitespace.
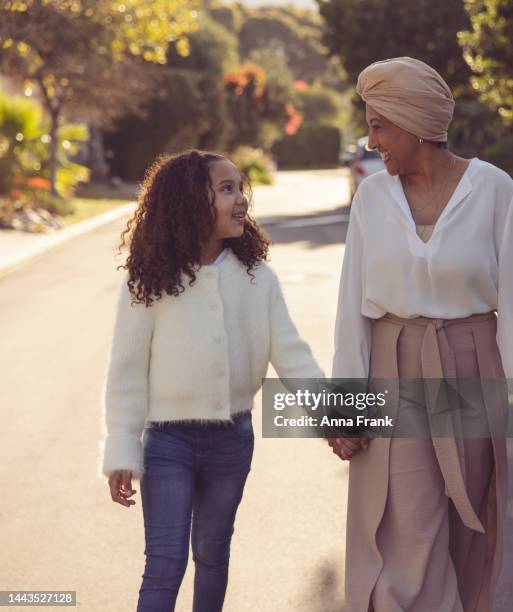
{"x":199,"y":318}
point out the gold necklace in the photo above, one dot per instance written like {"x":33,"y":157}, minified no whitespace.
{"x":453,"y":161}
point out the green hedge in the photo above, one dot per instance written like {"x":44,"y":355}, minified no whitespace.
{"x":310,"y":147}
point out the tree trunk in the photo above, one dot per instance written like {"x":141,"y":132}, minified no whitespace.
{"x":54,"y":125}
{"x":96,"y":155}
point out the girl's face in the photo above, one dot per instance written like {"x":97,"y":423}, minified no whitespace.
{"x":230,"y":203}
{"x":397,"y":147}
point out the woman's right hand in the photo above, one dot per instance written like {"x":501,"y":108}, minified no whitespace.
{"x":345,"y":448}
{"x":120,"y":484}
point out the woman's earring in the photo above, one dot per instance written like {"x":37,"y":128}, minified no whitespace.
{"x":421,"y":140}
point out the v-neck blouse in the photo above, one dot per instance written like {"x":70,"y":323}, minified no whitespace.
{"x":464,"y":268}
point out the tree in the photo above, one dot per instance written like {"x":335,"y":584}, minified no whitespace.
{"x":245,"y":93}
{"x":187,"y":109}
{"x":92,"y":58}
{"x":296,"y":31}
{"x":488,"y":49}
{"x":364,"y":32}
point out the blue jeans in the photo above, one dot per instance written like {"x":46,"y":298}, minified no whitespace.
{"x":194,"y":477}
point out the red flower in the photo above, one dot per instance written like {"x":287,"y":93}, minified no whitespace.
{"x":301,"y":85}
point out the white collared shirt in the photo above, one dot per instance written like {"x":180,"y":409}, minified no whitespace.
{"x":221,"y":256}
{"x":465,"y":268}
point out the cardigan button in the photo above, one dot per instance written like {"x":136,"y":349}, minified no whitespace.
{"x":213,"y":307}
{"x":218,"y":339}
{"x":220,"y":373}
{"x":218,"y":406}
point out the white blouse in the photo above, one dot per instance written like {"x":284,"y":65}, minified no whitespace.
{"x":465,"y":268}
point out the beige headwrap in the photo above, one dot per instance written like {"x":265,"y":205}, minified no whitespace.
{"x":410,"y":94}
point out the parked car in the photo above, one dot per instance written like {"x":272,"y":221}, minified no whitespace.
{"x":364,"y":164}
{"x":347,"y":155}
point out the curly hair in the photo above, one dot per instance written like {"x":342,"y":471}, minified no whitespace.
{"x":174,"y":218}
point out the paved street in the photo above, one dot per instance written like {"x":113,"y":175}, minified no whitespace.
{"x":60,"y":530}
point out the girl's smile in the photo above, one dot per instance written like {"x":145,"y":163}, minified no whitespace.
{"x":229,"y":200}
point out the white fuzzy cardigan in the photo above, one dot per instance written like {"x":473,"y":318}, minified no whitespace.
{"x":201,"y":355}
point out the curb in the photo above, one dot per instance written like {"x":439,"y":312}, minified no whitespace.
{"x":52,"y":241}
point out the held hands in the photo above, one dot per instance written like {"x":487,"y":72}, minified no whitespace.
{"x":346,"y":448}
{"x":120,"y":483}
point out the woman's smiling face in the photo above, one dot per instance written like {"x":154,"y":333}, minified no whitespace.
{"x":396,"y":146}
{"x":230,"y":202}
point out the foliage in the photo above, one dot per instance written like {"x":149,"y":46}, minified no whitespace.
{"x":319,"y":105}
{"x":297,"y":32}
{"x":47,"y":201}
{"x":20,"y":130}
{"x":212,"y":49}
{"x":489,"y":52}
{"x":225,"y":92}
{"x":255,"y":164}
{"x":279,"y":86}
{"x":429,"y":30}
{"x":24,"y":156}
{"x":499,"y":153}
{"x":361,"y":33}
{"x":311,"y":146}
{"x":81,"y":54}
{"x":245,"y":88}
{"x":188,"y":108}
{"x":229,"y":16}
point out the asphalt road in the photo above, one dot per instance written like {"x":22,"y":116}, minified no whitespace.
{"x":59,"y":528}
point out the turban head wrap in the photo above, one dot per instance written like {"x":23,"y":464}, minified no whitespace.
{"x":410,"y":94}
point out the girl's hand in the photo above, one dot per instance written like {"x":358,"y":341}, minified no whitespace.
{"x":346,"y":448}
{"x":120,"y":483}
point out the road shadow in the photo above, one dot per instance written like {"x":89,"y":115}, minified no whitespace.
{"x":325,"y":589}
{"x":316,"y":230}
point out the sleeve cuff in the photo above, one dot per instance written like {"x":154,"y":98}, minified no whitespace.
{"x":121,"y":451}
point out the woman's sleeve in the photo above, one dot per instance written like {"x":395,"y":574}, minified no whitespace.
{"x":290,"y":356}
{"x":505,"y":300}
{"x":352,"y":329}
{"x":125,"y":393}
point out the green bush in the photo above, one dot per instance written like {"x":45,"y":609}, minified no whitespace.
{"x":255,"y":164}
{"x":312,"y":146}
{"x":53,"y":204}
{"x":24,"y":147}
{"x":319,"y":105}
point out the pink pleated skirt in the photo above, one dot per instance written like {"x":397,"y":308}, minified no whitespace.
{"x":425,"y":514}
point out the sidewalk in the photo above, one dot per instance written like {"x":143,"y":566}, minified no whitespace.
{"x":18,"y":248}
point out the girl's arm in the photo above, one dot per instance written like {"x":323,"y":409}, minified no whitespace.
{"x":126,"y":388}
{"x":290,"y":356}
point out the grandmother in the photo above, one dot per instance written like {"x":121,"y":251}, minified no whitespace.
{"x":426,"y":293}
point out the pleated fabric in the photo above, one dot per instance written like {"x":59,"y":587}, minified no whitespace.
{"x":425,"y":514}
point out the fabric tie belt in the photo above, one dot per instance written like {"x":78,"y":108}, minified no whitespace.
{"x":446,"y":450}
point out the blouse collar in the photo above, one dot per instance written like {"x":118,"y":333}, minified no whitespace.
{"x":463,"y":188}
